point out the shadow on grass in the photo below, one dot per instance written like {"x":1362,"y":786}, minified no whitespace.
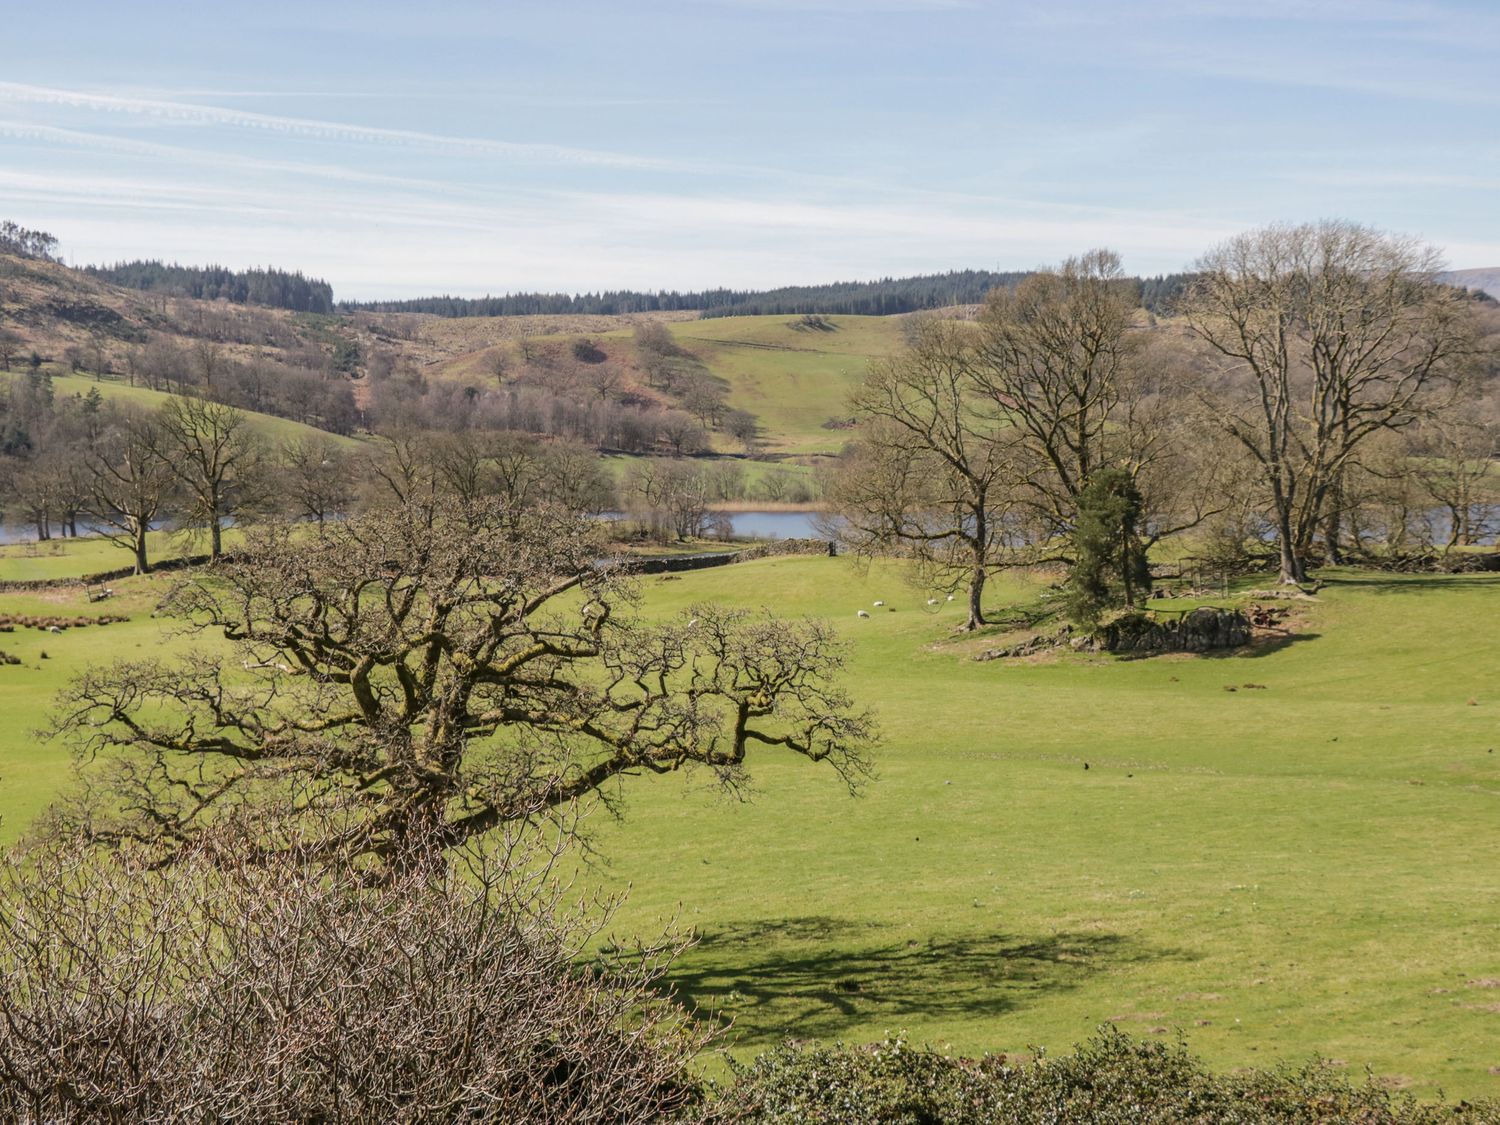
{"x":1266,"y":646}
{"x":817,"y":977}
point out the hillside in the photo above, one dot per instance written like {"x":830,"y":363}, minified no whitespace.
{"x":114,"y":388}
{"x":794,"y":378}
{"x":1486,"y":281}
{"x":130,"y":343}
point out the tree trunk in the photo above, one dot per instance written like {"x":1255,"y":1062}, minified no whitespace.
{"x":1293,"y":573}
{"x":215,"y":540}
{"x":1292,"y":570}
{"x":1333,"y":534}
{"x":976,"y":595}
{"x":138,"y":544}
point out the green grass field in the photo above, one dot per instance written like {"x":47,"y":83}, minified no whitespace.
{"x":1305,"y":866}
{"x":31,"y":769}
{"x":69,"y":558}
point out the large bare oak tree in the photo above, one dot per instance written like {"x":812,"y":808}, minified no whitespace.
{"x":425,"y":673}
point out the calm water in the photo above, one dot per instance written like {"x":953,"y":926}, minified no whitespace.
{"x":26,"y":533}
{"x":775,"y":525}
{"x":747,"y":525}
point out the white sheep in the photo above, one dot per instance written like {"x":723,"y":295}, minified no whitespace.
{"x":950,"y":597}
{"x":879,"y":604}
{"x":53,"y":629}
{"x":932,"y":601}
{"x":864,"y":613}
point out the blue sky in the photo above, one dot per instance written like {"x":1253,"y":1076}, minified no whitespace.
{"x":398,"y":148}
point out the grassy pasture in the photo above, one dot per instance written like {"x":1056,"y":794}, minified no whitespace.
{"x":1304,"y":866}
{"x":70,"y":558}
{"x":31,"y":769}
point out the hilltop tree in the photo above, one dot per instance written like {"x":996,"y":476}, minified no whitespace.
{"x":16,"y":239}
{"x":1326,"y":335}
{"x":419,"y":676}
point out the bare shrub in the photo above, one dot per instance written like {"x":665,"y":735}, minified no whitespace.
{"x":223,"y":990}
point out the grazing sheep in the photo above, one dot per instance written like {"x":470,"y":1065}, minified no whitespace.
{"x":879,"y":604}
{"x":864,"y":613}
{"x":950,"y":597}
{"x":932,"y":601}
{"x":53,"y":629}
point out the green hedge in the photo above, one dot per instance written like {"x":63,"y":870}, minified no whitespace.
{"x":1109,"y":1080}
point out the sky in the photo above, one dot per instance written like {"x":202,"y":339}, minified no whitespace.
{"x":404,"y":149}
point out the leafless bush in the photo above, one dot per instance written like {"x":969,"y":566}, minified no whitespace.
{"x":217,"y":990}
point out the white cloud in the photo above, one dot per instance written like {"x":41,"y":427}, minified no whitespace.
{"x":178,"y":111}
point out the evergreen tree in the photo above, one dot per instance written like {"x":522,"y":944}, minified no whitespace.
{"x":1109,"y":560}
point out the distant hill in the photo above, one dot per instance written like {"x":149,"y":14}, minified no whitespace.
{"x":884,"y":297}
{"x":294,"y":365}
{"x":268,"y":288}
{"x":887,"y":296}
{"x":1486,"y":281}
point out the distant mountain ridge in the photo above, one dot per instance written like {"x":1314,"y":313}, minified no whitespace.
{"x":1485,"y":280}
{"x":887,"y":296}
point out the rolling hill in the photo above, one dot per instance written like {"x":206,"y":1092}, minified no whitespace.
{"x":1486,"y":281}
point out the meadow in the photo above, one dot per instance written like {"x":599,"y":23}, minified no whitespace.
{"x":1305,"y":863}
{"x":1303,"y":866}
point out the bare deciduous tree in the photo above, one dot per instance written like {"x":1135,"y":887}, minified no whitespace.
{"x":11,"y":345}
{"x":317,"y":478}
{"x":430,"y":673}
{"x":1327,"y":334}
{"x":1451,"y":459}
{"x":930,"y":476}
{"x":1055,"y":358}
{"x":128,"y":482}
{"x":216,"y":459}
{"x":209,"y":359}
